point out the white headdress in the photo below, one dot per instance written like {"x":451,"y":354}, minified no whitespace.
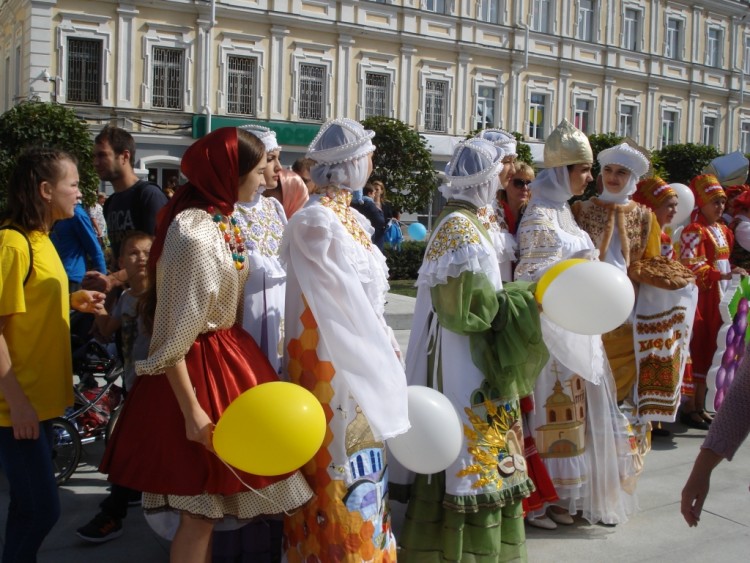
{"x":501,"y":139}
{"x":266,"y":135}
{"x":472,"y":173}
{"x":626,"y":156}
{"x":338,"y":150}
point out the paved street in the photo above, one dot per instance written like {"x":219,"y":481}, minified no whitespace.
{"x":656,"y":533}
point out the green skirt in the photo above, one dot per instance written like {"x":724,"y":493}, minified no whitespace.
{"x":433,"y":533}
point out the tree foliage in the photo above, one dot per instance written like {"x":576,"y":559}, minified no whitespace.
{"x":523,"y":150}
{"x":403,"y":163}
{"x":681,"y":163}
{"x":50,"y":125}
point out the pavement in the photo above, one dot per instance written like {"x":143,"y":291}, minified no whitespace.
{"x":657,"y":533}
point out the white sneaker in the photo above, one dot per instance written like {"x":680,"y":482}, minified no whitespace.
{"x":541,"y":522}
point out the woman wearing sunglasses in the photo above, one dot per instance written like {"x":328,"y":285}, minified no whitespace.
{"x":514,"y":198}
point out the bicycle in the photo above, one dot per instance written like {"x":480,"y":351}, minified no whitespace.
{"x":95,"y":409}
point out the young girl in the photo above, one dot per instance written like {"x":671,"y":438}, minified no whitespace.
{"x":36,"y":371}
{"x":200,"y":359}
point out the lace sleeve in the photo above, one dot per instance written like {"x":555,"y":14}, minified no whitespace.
{"x":539,"y":244}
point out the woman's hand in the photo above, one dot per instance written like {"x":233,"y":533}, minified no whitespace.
{"x":87,"y":301}
{"x":696,"y":489}
{"x":737,"y":271}
{"x":199,"y":428}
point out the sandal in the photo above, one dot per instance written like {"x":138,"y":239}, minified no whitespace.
{"x":693,"y":419}
{"x":707,"y":418}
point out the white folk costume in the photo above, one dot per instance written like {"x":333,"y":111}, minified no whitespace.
{"x":580,"y":433}
{"x":262,"y":221}
{"x":481,"y":347}
{"x":340,"y":348}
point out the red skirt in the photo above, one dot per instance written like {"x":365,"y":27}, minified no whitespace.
{"x":149,"y":451}
{"x":706,"y":328}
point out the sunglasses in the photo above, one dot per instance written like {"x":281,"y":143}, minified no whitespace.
{"x":518,"y":183}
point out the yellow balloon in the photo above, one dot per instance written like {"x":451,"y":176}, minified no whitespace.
{"x":271,"y":429}
{"x":550,"y":275}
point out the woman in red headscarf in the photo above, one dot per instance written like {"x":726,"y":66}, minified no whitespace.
{"x":200,"y":358}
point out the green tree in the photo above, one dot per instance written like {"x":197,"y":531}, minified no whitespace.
{"x":52,"y":125}
{"x":403,"y":163}
{"x":683,"y":162}
{"x":523,"y":150}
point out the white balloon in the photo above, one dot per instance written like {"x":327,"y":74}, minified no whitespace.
{"x":435,"y":438}
{"x":589,"y":298}
{"x":676,"y":234}
{"x":685,"y":204}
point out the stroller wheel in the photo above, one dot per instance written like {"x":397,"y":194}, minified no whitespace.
{"x":66,"y":449}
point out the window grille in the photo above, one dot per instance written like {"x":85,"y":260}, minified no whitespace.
{"x":241,"y":84}
{"x":376,"y":94}
{"x":311,"y":92}
{"x":435,"y":104}
{"x":84,"y":71}
{"x":167,"y":90}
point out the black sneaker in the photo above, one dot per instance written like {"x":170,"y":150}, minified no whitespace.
{"x":101,"y":528}
{"x":134,"y":499}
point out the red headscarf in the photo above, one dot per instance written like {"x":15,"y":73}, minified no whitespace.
{"x":211,"y":165}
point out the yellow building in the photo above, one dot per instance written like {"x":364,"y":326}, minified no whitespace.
{"x":659,"y":71}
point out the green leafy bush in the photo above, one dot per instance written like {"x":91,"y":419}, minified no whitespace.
{"x":51,"y":125}
{"x":685,"y":161}
{"x":404,"y":264}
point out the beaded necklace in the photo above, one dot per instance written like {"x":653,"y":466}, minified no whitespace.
{"x":232,"y":234}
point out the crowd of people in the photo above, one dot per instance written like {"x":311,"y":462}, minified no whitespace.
{"x":249,"y":273}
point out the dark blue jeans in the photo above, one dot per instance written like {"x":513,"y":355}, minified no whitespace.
{"x":34,"y":501}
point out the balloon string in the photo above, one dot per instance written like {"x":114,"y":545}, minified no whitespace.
{"x":254,"y":490}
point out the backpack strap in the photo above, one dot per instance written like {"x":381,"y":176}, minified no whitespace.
{"x":31,"y":252}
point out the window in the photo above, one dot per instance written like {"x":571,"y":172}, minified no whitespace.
{"x":626,"y":126}
{"x":167,"y":78}
{"x":312,"y":92}
{"x":747,"y":55}
{"x":540,"y":17}
{"x":631,"y":30}
{"x":537,"y":108}
{"x":437,"y":6}
{"x":709,"y":131}
{"x":241,"y":84}
{"x":84,"y":71}
{"x":489,"y":11}
{"x":436,"y":105}
{"x":668,"y":128}
{"x":714,"y":47}
{"x":585,"y":20}
{"x":17,"y":88}
{"x":673,"y":47}
{"x":376,"y":94}
{"x":745,"y":137}
{"x":7,"y":100}
{"x":581,"y":119}
{"x":486,"y":107}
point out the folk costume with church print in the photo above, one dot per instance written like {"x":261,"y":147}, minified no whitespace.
{"x":480,"y":345}
{"x":340,"y":348}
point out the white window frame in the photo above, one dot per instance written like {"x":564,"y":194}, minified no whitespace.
{"x":540,"y":132}
{"x":388,"y":98}
{"x":445,"y":103}
{"x":745,"y":137}
{"x":485,"y":11}
{"x":170,"y":37}
{"x":313,"y":54}
{"x":711,"y":111}
{"x":479,"y":105}
{"x":746,"y":53}
{"x":244,"y":46}
{"x":542,"y":16}
{"x":679,"y":44}
{"x":377,"y":63}
{"x":83,"y":26}
{"x":590,"y":111}
{"x":715,"y":59}
{"x":438,"y":6}
{"x":582,"y":25}
{"x":636,"y":44}
{"x":709,"y":131}
{"x":629,"y":99}
{"x":434,"y":70}
{"x":677,"y":116}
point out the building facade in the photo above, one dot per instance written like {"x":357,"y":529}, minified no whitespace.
{"x":659,"y":71}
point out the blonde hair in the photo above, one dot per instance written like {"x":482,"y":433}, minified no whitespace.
{"x":523,"y":168}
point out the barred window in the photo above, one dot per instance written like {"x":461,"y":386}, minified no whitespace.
{"x":168,"y":87}
{"x":84,"y":81}
{"x":436,"y":105}
{"x":311,"y":92}
{"x":241,"y":84}
{"x":376,"y":94}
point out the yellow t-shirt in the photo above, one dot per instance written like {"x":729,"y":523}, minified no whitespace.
{"x":38,"y":329}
